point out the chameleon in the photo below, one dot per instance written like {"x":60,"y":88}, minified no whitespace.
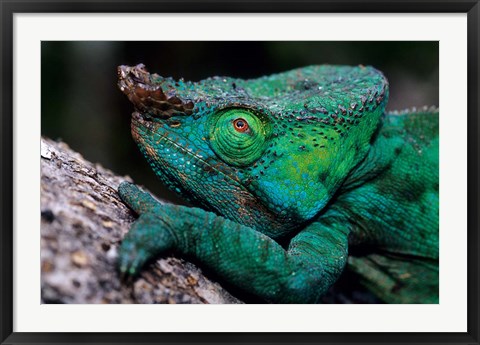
{"x":294,"y":177}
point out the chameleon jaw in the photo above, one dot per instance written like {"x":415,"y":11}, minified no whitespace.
{"x":150,"y":94}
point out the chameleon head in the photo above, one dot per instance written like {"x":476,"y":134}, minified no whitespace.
{"x":269,"y":152}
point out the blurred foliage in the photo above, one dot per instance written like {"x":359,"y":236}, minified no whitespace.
{"x":82,"y":106}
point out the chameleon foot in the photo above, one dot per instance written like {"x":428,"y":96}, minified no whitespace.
{"x":148,"y":236}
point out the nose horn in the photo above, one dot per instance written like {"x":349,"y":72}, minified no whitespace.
{"x":147,"y":95}
{"x":131,"y":77}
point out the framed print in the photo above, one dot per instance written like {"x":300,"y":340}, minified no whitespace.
{"x":317,"y":165}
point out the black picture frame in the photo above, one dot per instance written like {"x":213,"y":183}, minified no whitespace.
{"x":9,"y":8}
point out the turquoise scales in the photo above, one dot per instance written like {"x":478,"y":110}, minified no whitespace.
{"x":294,"y":175}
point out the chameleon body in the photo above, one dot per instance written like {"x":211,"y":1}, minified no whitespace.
{"x":295,"y":176}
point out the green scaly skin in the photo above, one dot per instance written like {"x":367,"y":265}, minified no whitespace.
{"x":295,"y":175}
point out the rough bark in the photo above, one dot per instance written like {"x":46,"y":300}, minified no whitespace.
{"x":83,"y":223}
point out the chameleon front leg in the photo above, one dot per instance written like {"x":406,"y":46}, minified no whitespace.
{"x":239,"y":254}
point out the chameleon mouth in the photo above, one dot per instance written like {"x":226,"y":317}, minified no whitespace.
{"x":151,"y":93}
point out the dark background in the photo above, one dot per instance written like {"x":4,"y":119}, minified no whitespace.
{"x":82,"y":105}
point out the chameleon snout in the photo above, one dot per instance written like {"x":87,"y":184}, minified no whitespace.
{"x":151,"y":94}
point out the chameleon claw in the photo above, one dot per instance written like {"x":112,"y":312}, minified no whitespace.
{"x":136,"y":264}
{"x":131,"y":261}
{"x":123,"y":268}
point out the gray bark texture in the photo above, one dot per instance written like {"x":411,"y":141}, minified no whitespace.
{"x":83,"y":223}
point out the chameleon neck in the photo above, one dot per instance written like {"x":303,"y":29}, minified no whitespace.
{"x":405,"y":149}
{"x":378,"y":159}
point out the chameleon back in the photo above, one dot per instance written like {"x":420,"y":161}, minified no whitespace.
{"x":397,"y":211}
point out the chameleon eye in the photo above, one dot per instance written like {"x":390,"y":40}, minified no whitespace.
{"x":238,"y":136}
{"x":240,"y":125}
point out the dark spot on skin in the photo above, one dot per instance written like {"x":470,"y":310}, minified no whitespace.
{"x":234,"y":86}
{"x":322,"y":176}
{"x":208,"y":169}
{"x":411,"y":192}
{"x":398,"y":150}
{"x":398,"y":223}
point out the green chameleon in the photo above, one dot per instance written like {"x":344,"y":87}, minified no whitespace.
{"x":296,"y":174}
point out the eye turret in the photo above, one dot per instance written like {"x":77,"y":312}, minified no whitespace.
{"x":238,"y":136}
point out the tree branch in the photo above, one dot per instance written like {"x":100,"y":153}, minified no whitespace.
{"x":83,"y":222}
